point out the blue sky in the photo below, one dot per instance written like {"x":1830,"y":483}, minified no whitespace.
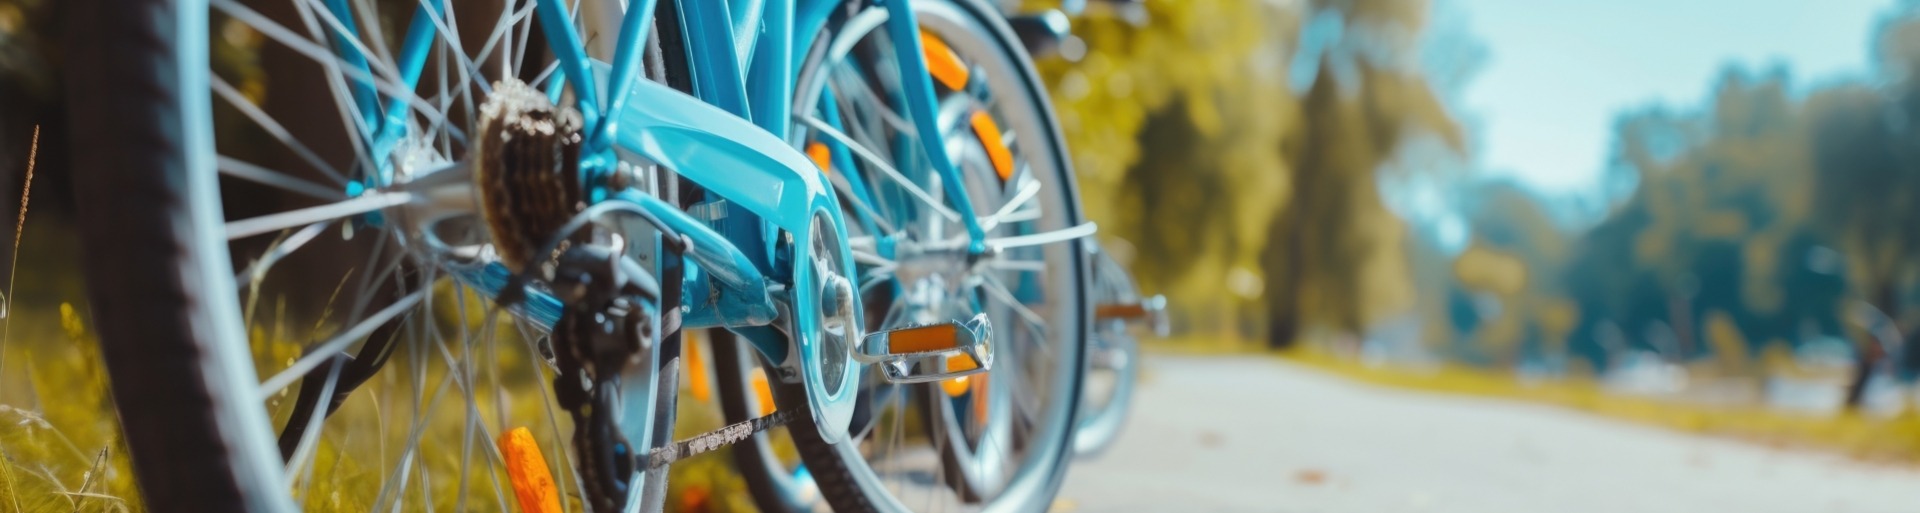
{"x":1558,"y":71}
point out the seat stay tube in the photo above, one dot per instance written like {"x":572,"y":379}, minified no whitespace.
{"x":770,"y":75}
{"x":365,"y":96}
{"x":572,"y":56}
{"x":904,"y":28}
{"x":625,"y":69}
{"x":414,"y":47}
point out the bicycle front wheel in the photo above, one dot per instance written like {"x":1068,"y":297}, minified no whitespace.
{"x":997,"y":441}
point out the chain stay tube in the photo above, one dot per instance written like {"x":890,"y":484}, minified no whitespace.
{"x":725,"y":288}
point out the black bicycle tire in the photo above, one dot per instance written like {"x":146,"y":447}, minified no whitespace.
{"x":133,"y":186}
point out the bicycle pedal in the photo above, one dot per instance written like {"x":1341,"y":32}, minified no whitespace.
{"x":1151,"y":310}
{"x":932,"y":352}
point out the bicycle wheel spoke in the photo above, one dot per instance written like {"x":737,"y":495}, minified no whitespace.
{"x":314,"y":51}
{"x":846,"y":192}
{"x":1028,"y":189}
{"x":273,"y":128}
{"x":258,"y":269}
{"x":352,"y":120}
{"x":463,"y":379}
{"x":283,"y":220}
{"x":999,"y":292}
{"x":307,"y":439}
{"x":397,"y":482}
{"x":876,"y":102}
{"x":374,"y":30}
{"x":379,"y":63}
{"x":336,"y":344}
{"x":881,"y":164}
{"x":247,"y":171}
{"x":876,"y":277}
{"x":1019,"y":265}
{"x":469,"y":72}
{"x":519,"y":57}
{"x":1043,"y":238}
{"x":862,"y":257}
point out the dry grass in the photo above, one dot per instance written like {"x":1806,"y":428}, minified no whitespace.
{"x":1878,"y":439}
{"x":61,"y":449}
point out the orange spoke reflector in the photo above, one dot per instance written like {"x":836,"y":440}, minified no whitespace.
{"x":937,"y":337}
{"x":989,"y":133}
{"x":942,"y":63}
{"x":527,"y":469}
{"x":698,"y":381}
{"x":1120,"y":311}
{"x":821,"y":156}
{"x":763,"y":391}
{"x":954,"y":387}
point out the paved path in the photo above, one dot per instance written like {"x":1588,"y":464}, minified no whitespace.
{"x":1259,"y":435}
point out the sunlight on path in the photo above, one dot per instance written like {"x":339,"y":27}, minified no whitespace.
{"x":1256,"y":434}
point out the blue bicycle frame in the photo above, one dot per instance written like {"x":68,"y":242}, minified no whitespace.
{"x":731,"y":138}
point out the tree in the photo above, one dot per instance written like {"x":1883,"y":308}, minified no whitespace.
{"x":1332,"y":251}
{"x":1867,"y":196}
{"x":1172,"y":124}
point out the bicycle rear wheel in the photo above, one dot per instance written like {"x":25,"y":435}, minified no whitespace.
{"x":221,"y":214}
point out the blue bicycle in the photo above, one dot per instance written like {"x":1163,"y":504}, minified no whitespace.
{"x":872,"y":195}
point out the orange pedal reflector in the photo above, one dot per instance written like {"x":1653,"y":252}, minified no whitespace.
{"x":921,"y":339}
{"x":989,"y":134}
{"x":961,"y":363}
{"x":821,"y":156}
{"x":1120,"y":311}
{"x":930,"y":352}
{"x":942,"y":63}
{"x":763,"y":391}
{"x":699,"y":383}
{"x":527,"y":469}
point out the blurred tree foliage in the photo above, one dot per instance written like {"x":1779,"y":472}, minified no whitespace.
{"x":1757,"y":223}
{"x":1244,"y":199}
{"x":1173,"y":123}
{"x":1714,"y":226}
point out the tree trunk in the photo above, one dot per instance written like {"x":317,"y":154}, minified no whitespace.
{"x":1281,"y":260}
{"x":1870,"y":352}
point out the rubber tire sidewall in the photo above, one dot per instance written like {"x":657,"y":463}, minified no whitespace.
{"x":159,"y":279}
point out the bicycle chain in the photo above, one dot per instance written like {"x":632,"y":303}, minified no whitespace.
{"x":708,"y":441}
